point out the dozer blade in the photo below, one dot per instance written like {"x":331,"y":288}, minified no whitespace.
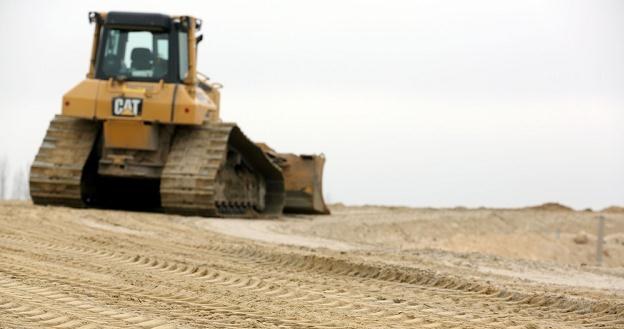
{"x":303,"y":180}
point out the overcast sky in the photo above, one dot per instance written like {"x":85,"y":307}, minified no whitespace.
{"x":422,"y":103}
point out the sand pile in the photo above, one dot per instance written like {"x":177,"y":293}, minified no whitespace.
{"x":614,"y":210}
{"x":551,"y":206}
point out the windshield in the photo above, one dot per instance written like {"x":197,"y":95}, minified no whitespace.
{"x":134,"y":55}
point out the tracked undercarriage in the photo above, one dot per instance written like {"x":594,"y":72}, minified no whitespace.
{"x":214,"y":170}
{"x":211,"y":170}
{"x":56,"y":173}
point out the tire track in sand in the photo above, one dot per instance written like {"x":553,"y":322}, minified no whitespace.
{"x":182,"y":269}
{"x":185,"y":300}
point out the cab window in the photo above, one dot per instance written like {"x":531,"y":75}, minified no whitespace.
{"x":183,"y":54}
{"x":135,"y":55}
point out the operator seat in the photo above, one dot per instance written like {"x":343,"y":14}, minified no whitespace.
{"x":142,"y":60}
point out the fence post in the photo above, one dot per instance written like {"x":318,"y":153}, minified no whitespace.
{"x":600,"y":240}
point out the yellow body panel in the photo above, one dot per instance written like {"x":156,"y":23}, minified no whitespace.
{"x":156,"y":99}
{"x":161,"y":102}
{"x":130,"y":134}
{"x":80,"y":100}
{"x":191,"y":106}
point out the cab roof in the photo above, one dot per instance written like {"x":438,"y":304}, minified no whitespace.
{"x":133,"y":20}
{"x":149,"y":21}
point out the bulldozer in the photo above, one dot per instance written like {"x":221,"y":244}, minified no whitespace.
{"x":143,"y":131}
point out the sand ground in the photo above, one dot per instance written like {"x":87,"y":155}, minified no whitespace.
{"x":362,"y":267}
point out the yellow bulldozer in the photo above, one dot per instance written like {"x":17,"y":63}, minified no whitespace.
{"x":143,"y":131}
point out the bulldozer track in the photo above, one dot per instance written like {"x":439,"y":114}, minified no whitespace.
{"x":57,"y":170}
{"x":188,"y":179}
{"x":174,"y":276}
{"x":188,"y":183}
{"x":61,"y":175}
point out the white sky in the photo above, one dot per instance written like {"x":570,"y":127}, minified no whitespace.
{"x":423,"y":103}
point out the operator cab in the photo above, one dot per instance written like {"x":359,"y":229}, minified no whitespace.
{"x":142,"y":47}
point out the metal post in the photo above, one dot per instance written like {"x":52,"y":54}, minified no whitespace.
{"x":600,"y":240}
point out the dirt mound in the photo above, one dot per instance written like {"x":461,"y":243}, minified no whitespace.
{"x":551,"y":206}
{"x":337,"y":205}
{"x":614,"y":210}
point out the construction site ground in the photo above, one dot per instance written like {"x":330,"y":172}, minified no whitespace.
{"x":361,"y":267}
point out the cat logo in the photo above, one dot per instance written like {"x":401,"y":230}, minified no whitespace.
{"x":127,"y":107}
